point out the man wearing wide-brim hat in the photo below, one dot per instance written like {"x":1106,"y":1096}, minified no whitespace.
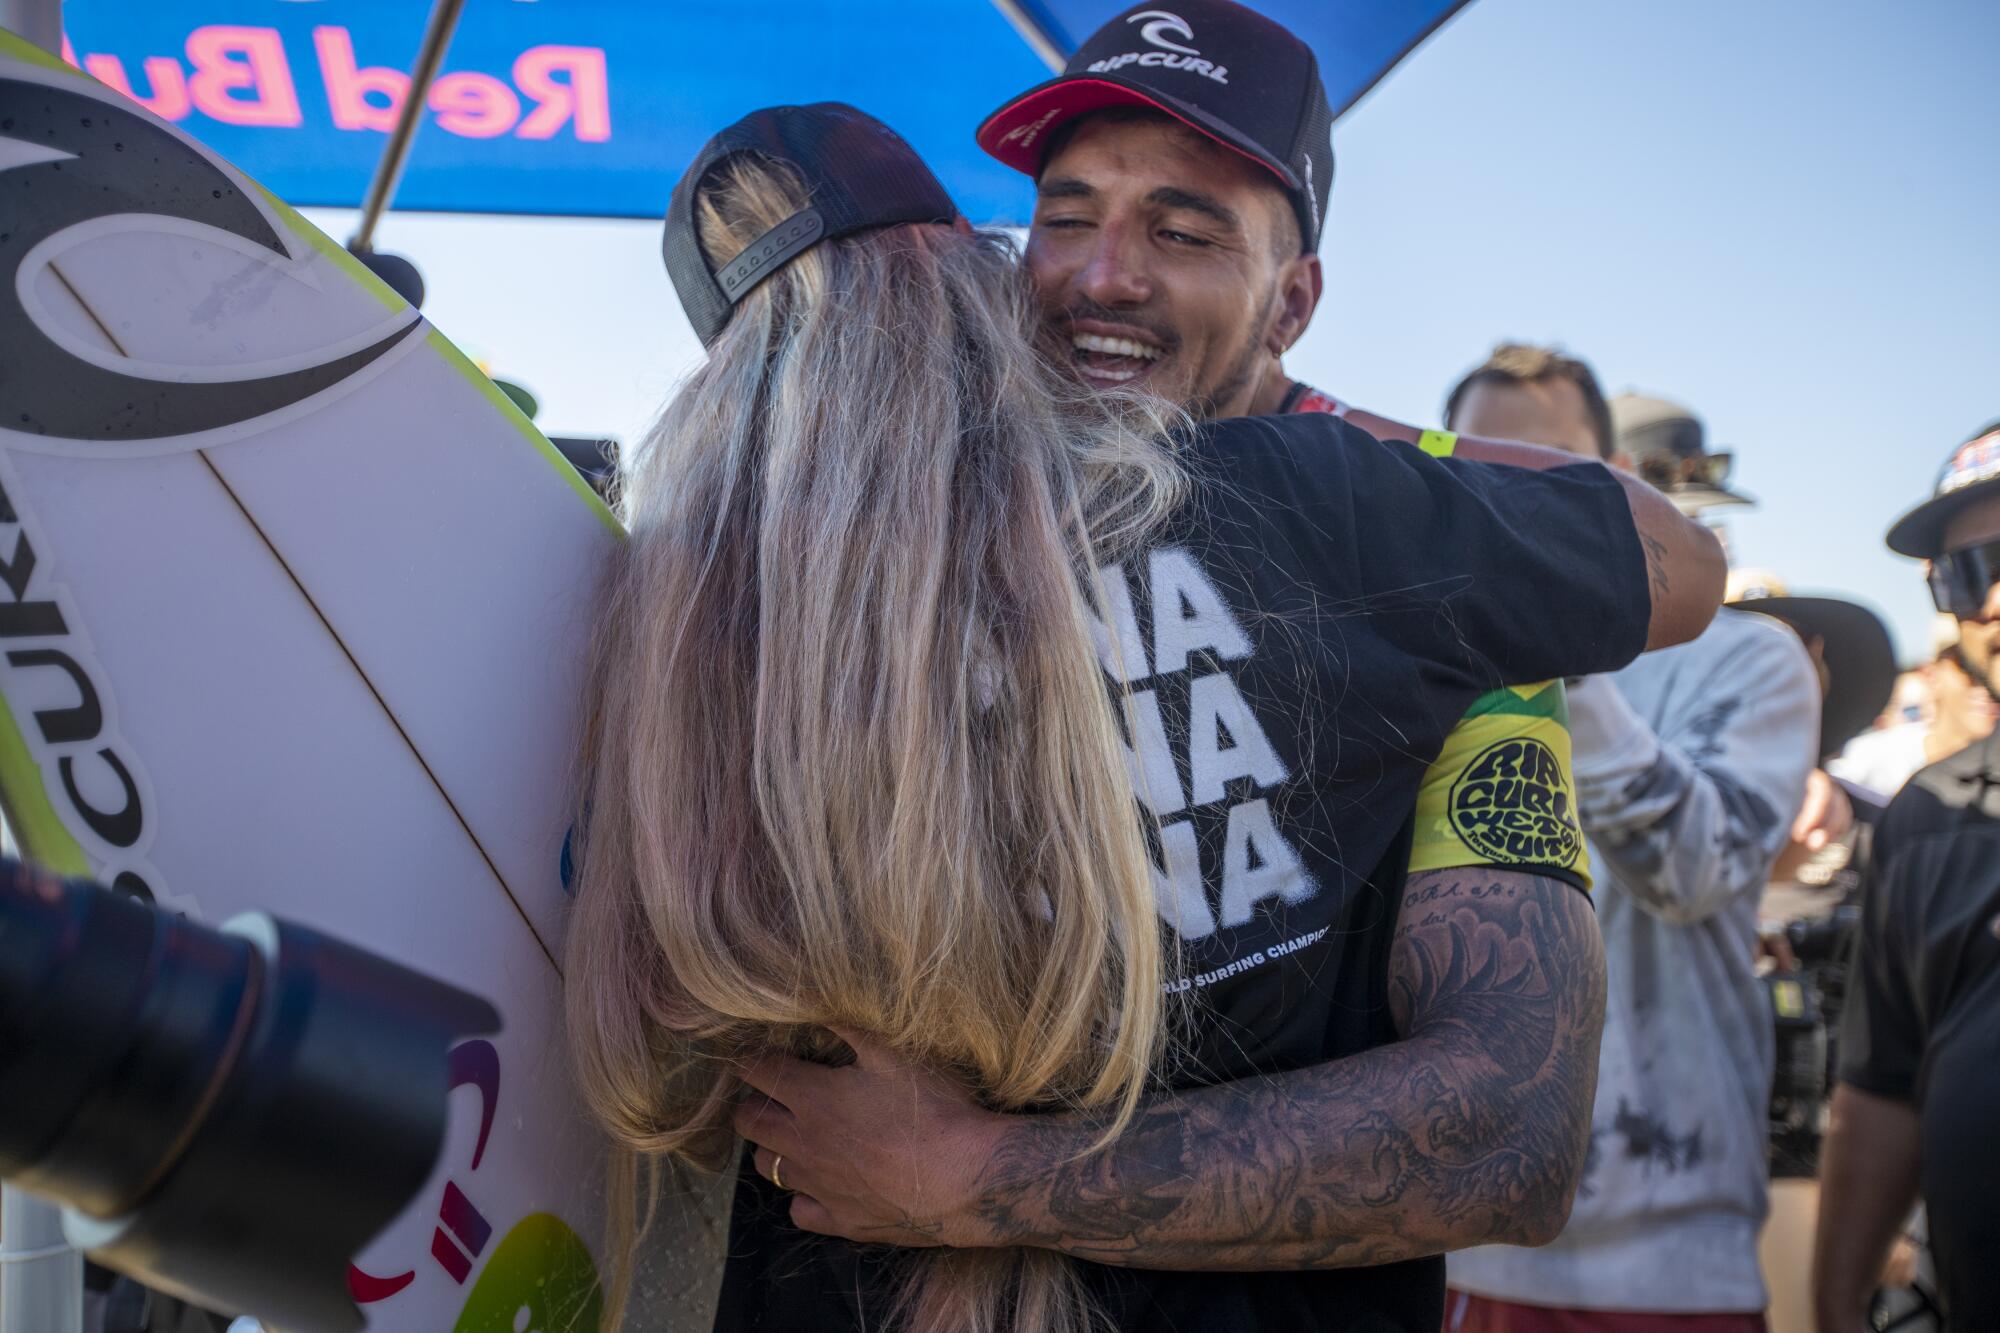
{"x":1851,"y":649}
{"x":1920,"y":1039}
{"x":1848,"y":643}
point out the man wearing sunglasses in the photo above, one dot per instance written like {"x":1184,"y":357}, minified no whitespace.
{"x":1920,"y":1040}
{"x":1665,"y":444}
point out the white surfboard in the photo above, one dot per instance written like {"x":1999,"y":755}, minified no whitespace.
{"x":292,"y":611}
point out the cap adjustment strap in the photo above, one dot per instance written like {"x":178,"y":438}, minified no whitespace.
{"x":770,"y":252}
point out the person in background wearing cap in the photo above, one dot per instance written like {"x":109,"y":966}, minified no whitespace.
{"x":1919,"y":1079}
{"x":1350,"y":1090}
{"x":1689,"y":764}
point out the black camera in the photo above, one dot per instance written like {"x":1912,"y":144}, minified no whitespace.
{"x":177,"y":1088}
{"x":1805,"y":1011}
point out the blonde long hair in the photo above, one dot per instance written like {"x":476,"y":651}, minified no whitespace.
{"x":852,"y":759}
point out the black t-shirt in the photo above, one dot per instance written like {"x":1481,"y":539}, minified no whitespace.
{"x":1922,"y":1022}
{"x":1298,"y":644}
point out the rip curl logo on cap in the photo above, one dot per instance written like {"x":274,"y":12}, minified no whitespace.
{"x":1159,"y":21}
{"x":1160,"y":28}
{"x":1025,"y":134}
{"x":1513,"y":803}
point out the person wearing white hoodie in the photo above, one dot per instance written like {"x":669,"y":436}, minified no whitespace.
{"x":1690,"y":763}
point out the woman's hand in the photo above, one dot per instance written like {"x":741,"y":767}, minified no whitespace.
{"x":880,"y":1151}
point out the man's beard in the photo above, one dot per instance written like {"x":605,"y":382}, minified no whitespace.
{"x":1986,"y":678}
{"x":1208,"y":406}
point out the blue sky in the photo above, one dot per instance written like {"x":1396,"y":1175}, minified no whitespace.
{"x":1782,"y":213}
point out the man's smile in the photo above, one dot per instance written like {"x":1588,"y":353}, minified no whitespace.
{"x":1108,"y":354}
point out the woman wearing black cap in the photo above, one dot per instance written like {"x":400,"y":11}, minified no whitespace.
{"x":861,"y":879}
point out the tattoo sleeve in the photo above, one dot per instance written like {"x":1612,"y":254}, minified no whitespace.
{"x":1471,"y":1128}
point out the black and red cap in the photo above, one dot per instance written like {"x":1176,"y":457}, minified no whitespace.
{"x":859,"y":174}
{"x":1219,"y":68}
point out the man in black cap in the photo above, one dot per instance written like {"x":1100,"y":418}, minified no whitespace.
{"x":1914,"y":1112}
{"x":1183,"y":163}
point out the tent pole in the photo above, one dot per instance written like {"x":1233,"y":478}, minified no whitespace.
{"x":1032,"y":33}
{"x":41,"y":1274}
{"x":37,"y":21}
{"x":437,"y":36}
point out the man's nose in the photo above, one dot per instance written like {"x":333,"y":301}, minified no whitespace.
{"x":1115,"y":274}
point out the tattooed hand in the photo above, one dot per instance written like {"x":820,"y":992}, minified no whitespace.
{"x":1470,"y":1129}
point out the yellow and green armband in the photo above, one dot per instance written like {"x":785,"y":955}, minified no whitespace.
{"x":1502,"y":793}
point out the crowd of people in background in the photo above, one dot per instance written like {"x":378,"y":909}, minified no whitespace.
{"x":1730,"y":786}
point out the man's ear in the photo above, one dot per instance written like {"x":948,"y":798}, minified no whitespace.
{"x":1299,"y":286}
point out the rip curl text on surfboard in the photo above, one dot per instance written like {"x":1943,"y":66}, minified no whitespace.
{"x":98,"y":795}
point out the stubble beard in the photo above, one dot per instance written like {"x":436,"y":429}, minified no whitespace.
{"x":1208,"y":406}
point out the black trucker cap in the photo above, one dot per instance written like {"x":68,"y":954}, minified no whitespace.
{"x":858,"y":173}
{"x":1218,"y":68}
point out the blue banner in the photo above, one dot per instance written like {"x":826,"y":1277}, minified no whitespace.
{"x":591,"y":107}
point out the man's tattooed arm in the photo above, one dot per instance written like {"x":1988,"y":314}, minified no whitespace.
{"x":1471,"y":1128}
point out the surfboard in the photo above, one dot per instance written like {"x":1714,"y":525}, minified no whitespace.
{"x":293,"y":607}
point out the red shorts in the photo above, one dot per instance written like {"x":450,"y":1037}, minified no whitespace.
{"x":1465,"y":1313}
